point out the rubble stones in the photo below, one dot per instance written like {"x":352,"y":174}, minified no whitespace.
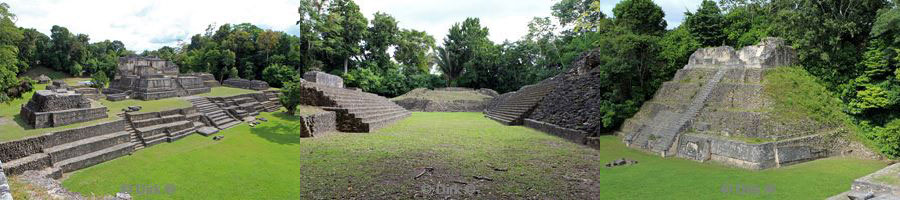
{"x":43,"y":79}
{"x":217,"y":138}
{"x":324,"y":79}
{"x":207,"y":131}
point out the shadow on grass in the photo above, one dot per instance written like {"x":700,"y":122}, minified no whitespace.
{"x":21,"y":121}
{"x":286,"y":130}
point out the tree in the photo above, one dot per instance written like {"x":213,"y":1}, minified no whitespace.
{"x":570,"y":12}
{"x":640,"y":16}
{"x":99,"y":80}
{"x":290,"y":96}
{"x":707,"y":24}
{"x":344,"y":29}
{"x":459,"y":48}
{"x":233,"y":73}
{"x":249,"y":69}
{"x":277,"y":75}
{"x":381,"y":36}
{"x":267,"y":41}
{"x":413,"y":51}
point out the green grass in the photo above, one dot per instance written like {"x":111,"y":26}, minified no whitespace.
{"x":226,"y":91}
{"x":14,"y":127}
{"x":272,"y":162}
{"x":799,"y":96}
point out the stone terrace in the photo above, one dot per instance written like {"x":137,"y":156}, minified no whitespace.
{"x":59,"y":107}
{"x":165,"y":126}
{"x":247,"y":84}
{"x":65,"y":151}
{"x":213,"y":114}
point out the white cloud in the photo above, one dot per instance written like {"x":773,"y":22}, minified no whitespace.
{"x":150,"y":24}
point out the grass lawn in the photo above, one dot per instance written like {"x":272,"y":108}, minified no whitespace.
{"x":226,"y":91}
{"x":272,"y":162}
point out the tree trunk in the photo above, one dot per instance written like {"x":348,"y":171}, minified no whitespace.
{"x":346,"y":62}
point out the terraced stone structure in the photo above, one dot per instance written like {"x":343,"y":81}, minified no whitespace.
{"x":151,"y":128}
{"x":356,"y":111}
{"x":65,"y":151}
{"x":512,"y":108}
{"x":60,"y":107}
{"x":317,"y":124}
{"x":324,"y":79}
{"x":149,"y":78}
{"x":5,"y":193}
{"x":247,"y":84}
{"x":716,"y":104}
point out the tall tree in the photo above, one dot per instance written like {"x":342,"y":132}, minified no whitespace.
{"x":342,"y":32}
{"x":459,"y":48}
{"x":414,"y":51}
{"x":640,"y":16}
{"x":707,"y":24}
{"x":381,"y":36}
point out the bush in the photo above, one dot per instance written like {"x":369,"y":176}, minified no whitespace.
{"x":99,"y":80}
{"x":887,"y":138}
{"x":290,"y":96}
{"x":277,"y":75}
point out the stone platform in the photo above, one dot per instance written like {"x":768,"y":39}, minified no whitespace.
{"x":58,"y":108}
{"x":247,"y":84}
{"x":148,"y":78}
{"x":356,"y":111}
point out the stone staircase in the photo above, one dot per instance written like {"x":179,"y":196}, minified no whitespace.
{"x":514,"y":109}
{"x":73,"y":149}
{"x":670,"y":125}
{"x":272,"y":102}
{"x":357,"y":111}
{"x":138,"y":145}
{"x":216,"y":116}
{"x":155,"y":128}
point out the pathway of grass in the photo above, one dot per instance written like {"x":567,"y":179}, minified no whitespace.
{"x":226,"y":91}
{"x":271,"y":162}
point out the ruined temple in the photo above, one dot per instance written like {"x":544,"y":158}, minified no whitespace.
{"x":59,"y":107}
{"x":149,"y":78}
{"x":713,"y":109}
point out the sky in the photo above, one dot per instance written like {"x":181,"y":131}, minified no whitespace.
{"x":150,"y":24}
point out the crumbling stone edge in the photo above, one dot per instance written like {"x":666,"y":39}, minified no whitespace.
{"x":573,"y":135}
{"x":5,"y":193}
{"x":317,"y":124}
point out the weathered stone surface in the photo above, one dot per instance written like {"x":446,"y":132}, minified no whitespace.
{"x":875,"y":186}
{"x":324,"y":79}
{"x":207,"y":131}
{"x":247,"y":84}
{"x":769,"y":53}
{"x":50,"y":109}
{"x":43,"y":79}
{"x":5,"y":193}
{"x":149,"y":78}
{"x":317,"y":124}
{"x":443,"y":100}
{"x":91,"y":145}
{"x":575,"y":136}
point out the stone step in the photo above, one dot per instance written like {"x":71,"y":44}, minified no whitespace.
{"x":32,"y":162}
{"x":154,"y":140}
{"x":51,"y":172}
{"x":228,"y":125}
{"x":369,"y":113}
{"x":375,"y":116}
{"x":181,"y":134}
{"x":162,"y":128}
{"x":73,"y":149}
{"x":381,"y":123}
{"x":93,"y":158}
{"x":160,"y":120}
{"x":503,"y":121}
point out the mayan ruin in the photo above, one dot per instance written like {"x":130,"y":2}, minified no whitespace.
{"x":152,"y":78}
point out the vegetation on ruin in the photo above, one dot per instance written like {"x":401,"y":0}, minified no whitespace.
{"x":799,"y":97}
{"x":522,"y":163}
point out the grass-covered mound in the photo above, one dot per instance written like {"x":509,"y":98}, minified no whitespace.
{"x":272,"y":162}
{"x":445,"y":99}
{"x":799,"y":97}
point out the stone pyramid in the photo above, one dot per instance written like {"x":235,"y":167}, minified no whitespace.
{"x":715,"y":109}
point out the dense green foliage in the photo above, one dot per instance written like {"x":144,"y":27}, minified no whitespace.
{"x":290,"y":96}
{"x":708,"y":24}
{"x":99,"y":80}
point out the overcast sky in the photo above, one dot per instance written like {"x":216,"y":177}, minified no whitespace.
{"x":150,"y":24}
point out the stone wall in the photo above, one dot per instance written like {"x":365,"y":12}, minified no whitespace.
{"x":573,"y":135}
{"x":317,"y":124}
{"x":753,"y":155}
{"x":5,"y":192}
{"x":36,"y":145}
{"x":324,"y":79}
{"x":51,"y":109}
{"x":247,"y":84}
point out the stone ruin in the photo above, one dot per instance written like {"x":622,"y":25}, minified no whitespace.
{"x":59,"y":107}
{"x":324,"y":79}
{"x":714,"y":109}
{"x":43,"y":79}
{"x":247,"y":84}
{"x":451,"y":99}
{"x":149,"y":78}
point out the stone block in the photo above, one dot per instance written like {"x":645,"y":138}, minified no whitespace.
{"x":324,"y":79}
{"x":572,"y":135}
{"x":319,"y":123}
{"x":247,"y":84}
